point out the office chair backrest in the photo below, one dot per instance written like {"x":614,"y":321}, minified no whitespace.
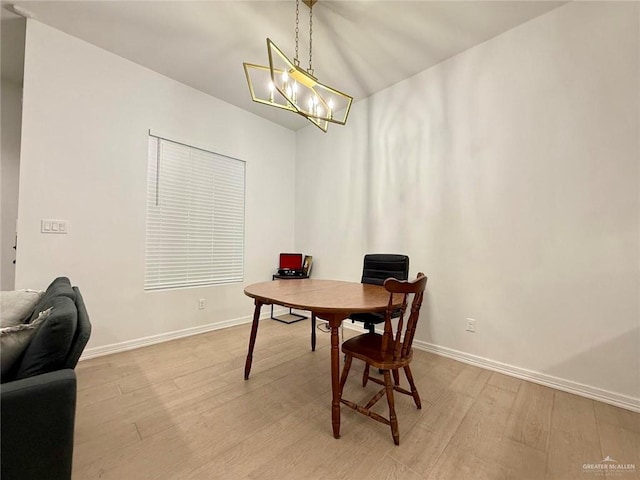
{"x":379,"y":266}
{"x":401,"y":341}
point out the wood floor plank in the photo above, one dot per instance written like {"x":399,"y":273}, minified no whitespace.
{"x":122,"y":409}
{"x":572,"y":413}
{"x":617,"y":416}
{"x":479,"y":448}
{"x":623,"y":446}
{"x":573,"y":437}
{"x":568,"y":452}
{"x":106,"y":442}
{"x":423,"y":445}
{"x":487,"y":418}
{"x":461,"y":464}
{"x":470,"y":381}
{"x":505,"y":382}
{"x":435,"y":376}
{"x":390,"y":469}
{"x":92,"y":374}
{"x":278,"y":386}
{"x":259,"y":449}
{"x":97,"y":393}
{"x":530,"y":421}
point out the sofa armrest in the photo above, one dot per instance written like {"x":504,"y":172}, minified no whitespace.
{"x":38,"y":418}
{"x":83,"y":332}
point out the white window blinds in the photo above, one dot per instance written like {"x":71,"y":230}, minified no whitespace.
{"x":195,"y":217}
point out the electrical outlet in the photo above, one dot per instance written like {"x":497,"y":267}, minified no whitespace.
{"x":471,"y":325}
{"x":201,"y":304}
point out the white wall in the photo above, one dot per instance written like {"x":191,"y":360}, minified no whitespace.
{"x":86,"y":115}
{"x":509,"y":174}
{"x":11,"y":102}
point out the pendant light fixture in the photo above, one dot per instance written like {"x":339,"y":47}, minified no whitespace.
{"x":284,"y":84}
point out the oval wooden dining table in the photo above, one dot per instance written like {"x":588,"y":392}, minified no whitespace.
{"x":330,"y":300}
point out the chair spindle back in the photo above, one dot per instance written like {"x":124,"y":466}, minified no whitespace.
{"x":403,"y":338}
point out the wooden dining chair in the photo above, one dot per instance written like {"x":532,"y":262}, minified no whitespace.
{"x":388,"y":352}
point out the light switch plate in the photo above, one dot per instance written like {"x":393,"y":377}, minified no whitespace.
{"x":54,"y":226}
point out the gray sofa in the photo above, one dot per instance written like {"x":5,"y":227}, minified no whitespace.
{"x":38,"y":394}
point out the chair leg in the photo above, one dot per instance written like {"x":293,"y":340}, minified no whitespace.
{"x":396,"y":377}
{"x":313,"y":332}
{"x":345,"y":372}
{"x":365,"y":375}
{"x":393,"y":420}
{"x":414,"y":390}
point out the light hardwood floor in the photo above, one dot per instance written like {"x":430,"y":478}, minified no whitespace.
{"x":181,"y":410}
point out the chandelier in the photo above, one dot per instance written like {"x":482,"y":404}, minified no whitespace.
{"x":284,"y":84}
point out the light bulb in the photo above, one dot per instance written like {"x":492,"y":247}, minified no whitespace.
{"x":271,"y":87}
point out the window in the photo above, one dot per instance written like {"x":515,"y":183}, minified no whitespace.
{"x":195,"y":217}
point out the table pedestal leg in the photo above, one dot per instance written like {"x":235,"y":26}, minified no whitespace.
{"x":252,"y":339}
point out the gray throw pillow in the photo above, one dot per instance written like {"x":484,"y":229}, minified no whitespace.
{"x":15,"y":340}
{"x":16,"y":306}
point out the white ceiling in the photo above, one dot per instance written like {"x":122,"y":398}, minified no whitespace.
{"x":359,"y":47}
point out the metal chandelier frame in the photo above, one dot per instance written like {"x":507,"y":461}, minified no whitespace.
{"x":284,"y":84}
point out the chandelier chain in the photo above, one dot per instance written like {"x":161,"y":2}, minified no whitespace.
{"x":296,"y":61}
{"x":310,"y":36}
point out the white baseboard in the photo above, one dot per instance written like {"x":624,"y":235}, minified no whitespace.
{"x":605,"y":396}
{"x":569,"y":386}
{"x":165,"y":337}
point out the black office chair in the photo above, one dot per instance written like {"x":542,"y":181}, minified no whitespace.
{"x":376,"y":269}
